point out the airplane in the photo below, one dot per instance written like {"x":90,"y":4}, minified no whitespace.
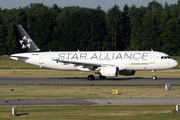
{"x":104,"y":63}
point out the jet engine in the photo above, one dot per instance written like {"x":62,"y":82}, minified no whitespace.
{"x":127,"y":72}
{"x":109,"y":71}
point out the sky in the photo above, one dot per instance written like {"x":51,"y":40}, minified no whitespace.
{"x":105,"y":4}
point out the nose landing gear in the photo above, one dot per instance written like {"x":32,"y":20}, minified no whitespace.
{"x":154,"y":77}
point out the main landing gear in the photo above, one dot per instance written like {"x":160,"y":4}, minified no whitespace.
{"x":91,"y":76}
{"x":154,"y":77}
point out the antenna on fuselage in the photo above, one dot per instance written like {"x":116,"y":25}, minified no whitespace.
{"x":152,"y":50}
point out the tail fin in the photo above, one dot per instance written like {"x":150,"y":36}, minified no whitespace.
{"x":26,"y":43}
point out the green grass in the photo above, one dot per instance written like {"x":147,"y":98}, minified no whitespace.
{"x":94,"y":112}
{"x":92,"y":92}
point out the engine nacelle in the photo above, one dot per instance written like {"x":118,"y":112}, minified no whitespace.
{"x":109,"y":71}
{"x":127,"y":72}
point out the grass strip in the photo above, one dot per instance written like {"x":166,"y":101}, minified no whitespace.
{"x":92,"y":92}
{"x":94,"y":112}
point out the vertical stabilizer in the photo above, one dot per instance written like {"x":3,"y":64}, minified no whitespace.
{"x":25,"y":41}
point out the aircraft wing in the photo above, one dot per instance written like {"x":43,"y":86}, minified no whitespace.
{"x":94,"y":64}
{"x":81,"y":63}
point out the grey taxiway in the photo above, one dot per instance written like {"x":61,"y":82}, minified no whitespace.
{"x":84,"y":81}
{"x":91,"y":101}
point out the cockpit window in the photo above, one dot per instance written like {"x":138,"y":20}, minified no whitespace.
{"x":165,"y":57}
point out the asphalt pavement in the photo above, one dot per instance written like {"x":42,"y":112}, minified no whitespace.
{"x":91,"y":101}
{"x":84,"y":81}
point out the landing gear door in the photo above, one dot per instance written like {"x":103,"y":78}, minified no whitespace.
{"x":41,"y":59}
{"x":152,"y":58}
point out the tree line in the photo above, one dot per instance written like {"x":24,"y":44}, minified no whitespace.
{"x":54,"y":28}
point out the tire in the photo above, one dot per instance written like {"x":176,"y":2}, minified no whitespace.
{"x":91,"y":77}
{"x":154,"y":77}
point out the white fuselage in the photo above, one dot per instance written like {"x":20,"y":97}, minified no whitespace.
{"x":125,"y":60}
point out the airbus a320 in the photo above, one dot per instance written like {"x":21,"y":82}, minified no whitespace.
{"x":104,"y":63}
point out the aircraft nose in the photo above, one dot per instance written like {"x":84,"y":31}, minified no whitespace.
{"x":174,"y":63}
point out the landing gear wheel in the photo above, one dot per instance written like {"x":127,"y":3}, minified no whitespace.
{"x":154,"y":77}
{"x":91,"y":77}
{"x":102,"y":77}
